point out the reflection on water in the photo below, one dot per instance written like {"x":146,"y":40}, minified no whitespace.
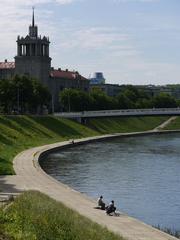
{"x":142,"y":175}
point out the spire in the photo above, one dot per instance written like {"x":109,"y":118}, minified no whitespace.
{"x":33,"y":29}
{"x":33,"y":17}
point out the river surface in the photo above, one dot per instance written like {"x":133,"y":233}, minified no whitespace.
{"x":141,"y":174}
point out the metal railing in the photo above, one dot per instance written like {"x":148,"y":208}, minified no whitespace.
{"x":122,"y":112}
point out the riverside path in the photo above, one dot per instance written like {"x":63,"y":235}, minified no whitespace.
{"x":30,"y":176}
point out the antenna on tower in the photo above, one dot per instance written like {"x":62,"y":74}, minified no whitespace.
{"x":33,"y":17}
{"x":33,"y":29}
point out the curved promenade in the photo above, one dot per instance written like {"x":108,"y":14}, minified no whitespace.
{"x":30,"y":176}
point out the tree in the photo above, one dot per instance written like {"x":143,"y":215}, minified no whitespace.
{"x":6,"y":95}
{"x":124,"y":102}
{"x":101,"y":101}
{"x":164,"y":100}
{"x":23,"y":94}
{"x":41,"y":96}
{"x":144,"y":103}
{"x":75,"y":100}
{"x":129,"y":98}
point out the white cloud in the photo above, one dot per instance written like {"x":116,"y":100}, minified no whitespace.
{"x":135,"y":70}
{"x":84,"y":47}
{"x":132,"y":1}
{"x":93,"y":38}
{"x":65,"y":1}
{"x":18,"y":3}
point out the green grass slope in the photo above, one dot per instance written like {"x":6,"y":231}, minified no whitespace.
{"x":174,"y":125}
{"x":125,"y":124}
{"x":18,"y":133}
{"x":35,"y":216}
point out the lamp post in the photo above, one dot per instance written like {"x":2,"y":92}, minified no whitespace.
{"x":52,"y":102}
{"x":69,"y":105}
{"x":18,"y":105}
{"x":68,"y":99}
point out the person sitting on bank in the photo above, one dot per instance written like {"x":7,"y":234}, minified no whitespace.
{"x":111,"y":208}
{"x":101,"y":204}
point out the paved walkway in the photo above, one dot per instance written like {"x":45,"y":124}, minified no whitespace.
{"x":31,"y":176}
{"x":166,"y":123}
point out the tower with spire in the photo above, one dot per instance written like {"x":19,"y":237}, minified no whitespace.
{"x":33,"y":29}
{"x":33,"y":55}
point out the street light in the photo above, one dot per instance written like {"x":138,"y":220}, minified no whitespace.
{"x":18,"y":105}
{"x":68,"y":99}
{"x":69,"y":106}
{"x":52,"y":102}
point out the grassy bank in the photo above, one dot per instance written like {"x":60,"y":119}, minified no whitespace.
{"x":125,"y":124}
{"x":21,"y":132}
{"x":35,"y":216}
{"x":174,"y":125}
{"x":18,"y":133}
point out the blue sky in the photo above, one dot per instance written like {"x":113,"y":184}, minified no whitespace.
{"x":130,"y":41}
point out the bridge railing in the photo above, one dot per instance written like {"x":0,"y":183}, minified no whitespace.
{"x":122,"y":112}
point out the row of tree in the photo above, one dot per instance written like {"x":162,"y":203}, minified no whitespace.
{"x":130,"y":97}
{"x":22,"y":95}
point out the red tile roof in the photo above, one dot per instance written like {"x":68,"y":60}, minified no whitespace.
{"x":65,"y":74}
{"x":7,"y":65}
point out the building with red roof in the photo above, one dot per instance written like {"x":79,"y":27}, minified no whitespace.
{"x":7,"y":69}
{"x":33,"y":60}
{"x":63,"y":79}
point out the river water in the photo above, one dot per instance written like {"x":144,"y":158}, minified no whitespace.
{"x":141,"y":174}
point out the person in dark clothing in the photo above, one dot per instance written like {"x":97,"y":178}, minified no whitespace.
{"x":101,"y":204}
{"x":110,"y":208}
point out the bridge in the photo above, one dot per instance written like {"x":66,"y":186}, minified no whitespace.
{"x":119,"y":113}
